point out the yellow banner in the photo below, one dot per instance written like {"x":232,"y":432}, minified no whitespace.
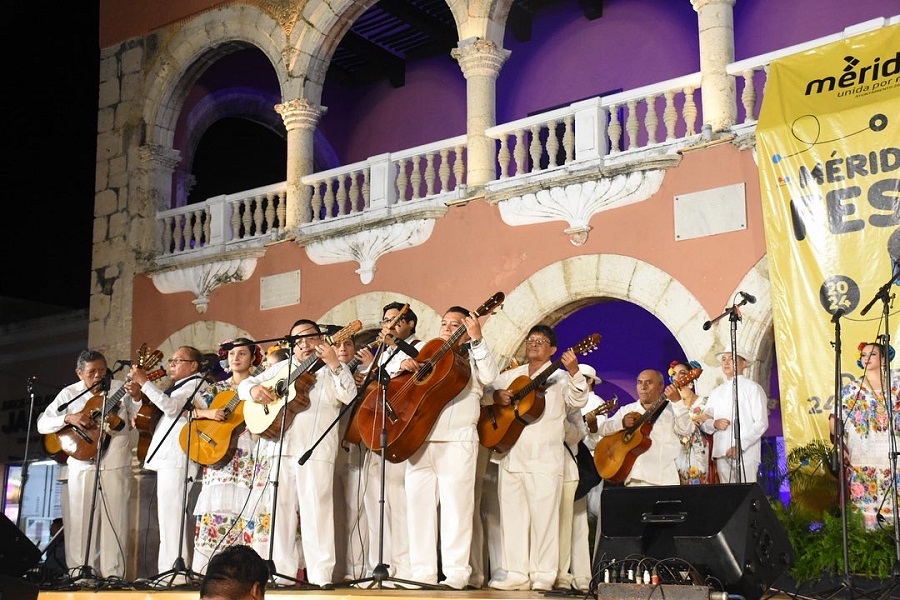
{"x":829,"y":161}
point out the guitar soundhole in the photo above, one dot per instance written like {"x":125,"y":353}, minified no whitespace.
{"x":280,"y":388}
{"x":424,"y":373}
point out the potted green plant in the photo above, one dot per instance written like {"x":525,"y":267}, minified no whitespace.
{"x":812,"y":521}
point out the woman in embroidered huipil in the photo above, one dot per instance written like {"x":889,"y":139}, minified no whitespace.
{"x":693,"y":462}
{"x":867,"y":436}
{"x":224,"y":513}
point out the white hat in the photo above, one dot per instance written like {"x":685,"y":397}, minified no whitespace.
{"x":589,"y":372}
{"x":742,"y":353}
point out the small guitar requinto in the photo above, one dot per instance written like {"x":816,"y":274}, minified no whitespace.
{"x":499,"y":427}
{"x":291,"y":388}
{"x":615,"y":454}
{"x":82,"y":443}
{"x":212,"y":443}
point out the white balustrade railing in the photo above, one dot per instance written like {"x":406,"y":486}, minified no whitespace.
{"x":387,"y":179}
{"x":601,"y":126}
{"x":222,"y":221}
{"x":630,"y":121}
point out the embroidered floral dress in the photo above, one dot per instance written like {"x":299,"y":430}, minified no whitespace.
{"x":692,"y":461}
{"x":867,"y":436}
{"x":224,"y":509}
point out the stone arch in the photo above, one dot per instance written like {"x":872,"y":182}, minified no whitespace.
{"x":367,"y":308}
{"x":203,"y":335}
{"x":184,"y":57}
{"x":484,"y":19}
{"x":325,"y":24}
{"x":213,"y":108}
{"x":328,"y":22}
{"x":574,"y":282}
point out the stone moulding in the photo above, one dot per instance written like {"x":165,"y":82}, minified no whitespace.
{"x":367,"y":246}
{"x":576,"y":203}
{"x":202,"y":279}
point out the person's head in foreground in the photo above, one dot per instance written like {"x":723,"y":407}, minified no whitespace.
{"x":235,"y":573}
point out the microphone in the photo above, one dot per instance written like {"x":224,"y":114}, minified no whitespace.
{"x":837,"y":315}
{"x":707,"y":325}
{"x":330,"y":330}
{"x":748,"y":298}
{"x":124,"y":363}
{"x":106,"y":382}
{"x":227,"y":346}
{"x":209,"y":363}
{"x":406,"y":348}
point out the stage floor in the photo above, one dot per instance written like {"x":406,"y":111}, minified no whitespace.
{"x":611,"y":592}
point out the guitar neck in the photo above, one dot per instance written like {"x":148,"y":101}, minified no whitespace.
{"x":355,"y":362}
{"x":113,"y":400}
{"x":537,"y":381}
{"x":311,"y":364}
{"x":650,"y":413}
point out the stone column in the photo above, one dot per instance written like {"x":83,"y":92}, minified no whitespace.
{"x":480,"y":61}
{"x":715,"y":21}
{"x":300,"y":119}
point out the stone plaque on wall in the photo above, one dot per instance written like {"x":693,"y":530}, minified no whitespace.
{"x":710,"y":212}
{"x":279,"y":290}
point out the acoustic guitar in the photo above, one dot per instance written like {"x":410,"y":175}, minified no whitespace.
{"x":52,"y":448}
{"x":82,"y":443}
{"x":291,"y":387}
{"x":352,"y":435}
{"x":615,"y":454}
{"x":415,"y":400}
{"x":499,"y":427}
{"x":212,"y":443}
{"x":147,"y":417}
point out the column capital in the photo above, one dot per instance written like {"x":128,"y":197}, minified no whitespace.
{"x":698,"y":4}
{"x":478,"y":57}
{"x":159,"y":156}
{"x":300,"y":113}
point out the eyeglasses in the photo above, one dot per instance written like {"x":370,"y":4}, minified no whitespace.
{"x":175,"y":361}
{"x":537,"y":342}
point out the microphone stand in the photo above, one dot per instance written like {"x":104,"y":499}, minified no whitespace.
{"x":179,"y":567}
{"x":886,"y":298}
{"x":734,"y":315}
{"x":23,"y":477}
{"x":270,"y":561}
{"x":839,"y":443}
{"x":380,"y":572}
{"x":85,"y":571}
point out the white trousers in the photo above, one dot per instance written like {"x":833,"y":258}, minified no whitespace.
{"x":173,"y":523}
{"x":529,"y":520}
{"x":109,"y":539}
{"x":441,"y":474}
{"x":351,"y":536}
{"x":394,"y":537}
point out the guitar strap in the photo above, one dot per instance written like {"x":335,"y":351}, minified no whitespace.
{"x":658,"y":413}
{"x":172,"y":388}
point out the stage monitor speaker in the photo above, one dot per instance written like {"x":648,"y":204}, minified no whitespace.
{"x":17,"y":552}
{"x":728,"y":532}
{"x":14,"y":588}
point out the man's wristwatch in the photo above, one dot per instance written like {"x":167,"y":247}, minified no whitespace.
{"x":474,"y":343}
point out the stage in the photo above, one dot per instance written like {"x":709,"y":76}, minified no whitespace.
{"x":611,"y":591}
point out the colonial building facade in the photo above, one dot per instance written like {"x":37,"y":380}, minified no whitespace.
{"x":599,"y":161}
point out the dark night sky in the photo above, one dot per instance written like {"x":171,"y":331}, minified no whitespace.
{"x":49,"y":111}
